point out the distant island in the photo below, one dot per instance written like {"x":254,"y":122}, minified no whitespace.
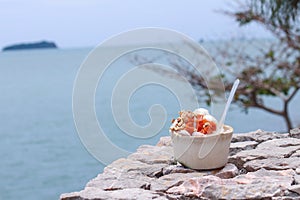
{"x":27,"y":46}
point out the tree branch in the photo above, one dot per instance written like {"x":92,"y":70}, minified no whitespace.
{"x":261,"y":106}
{"x":293,"y":94}
{"x":277,"y":112}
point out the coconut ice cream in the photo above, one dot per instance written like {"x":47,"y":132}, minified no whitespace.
{"x":196,"y":123}
{"x":198,"y":141}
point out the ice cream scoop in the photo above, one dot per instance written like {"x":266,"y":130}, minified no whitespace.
{"x":198,"y":121}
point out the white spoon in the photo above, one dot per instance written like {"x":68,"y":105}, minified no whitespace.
{"x":232,"y":92}
{"x":207,"y":146}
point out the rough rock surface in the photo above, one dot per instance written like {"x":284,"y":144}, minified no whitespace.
{"x":261,"y":165}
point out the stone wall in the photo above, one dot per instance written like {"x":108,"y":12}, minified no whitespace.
{"x":262,"y":165}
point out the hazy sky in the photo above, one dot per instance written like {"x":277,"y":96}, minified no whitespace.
{"x":76,"y":23}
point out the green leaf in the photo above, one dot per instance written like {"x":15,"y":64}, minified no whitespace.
{"x":228,"y":63}
{"x":270,"y":54}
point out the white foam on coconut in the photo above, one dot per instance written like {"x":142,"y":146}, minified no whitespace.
{"x":210,"y":118}
{"x":201,"y":111}
{"x":183,"y":132}
{"x":197,"y":134}
{"x":173,"y":125}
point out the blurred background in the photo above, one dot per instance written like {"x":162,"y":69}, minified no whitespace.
{"x":41,"y":153}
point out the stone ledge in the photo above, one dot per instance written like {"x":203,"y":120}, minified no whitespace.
{"x":262,"y":165}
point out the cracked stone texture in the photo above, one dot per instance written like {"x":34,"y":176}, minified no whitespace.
{"x":261,"y":165}
{"x":275,"y":148}
{"x":295,"y":133}
{"x":253,"y":185}
{"x":229,"y":171}
{"x":128,"y":193}
{"x":239,"y":146}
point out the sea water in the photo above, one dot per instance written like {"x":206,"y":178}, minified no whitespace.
{"x":41,"y":153}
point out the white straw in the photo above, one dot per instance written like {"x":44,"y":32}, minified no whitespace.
{"x":232,"y":92}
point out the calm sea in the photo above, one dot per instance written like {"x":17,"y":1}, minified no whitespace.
{"x":41,"y":153}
